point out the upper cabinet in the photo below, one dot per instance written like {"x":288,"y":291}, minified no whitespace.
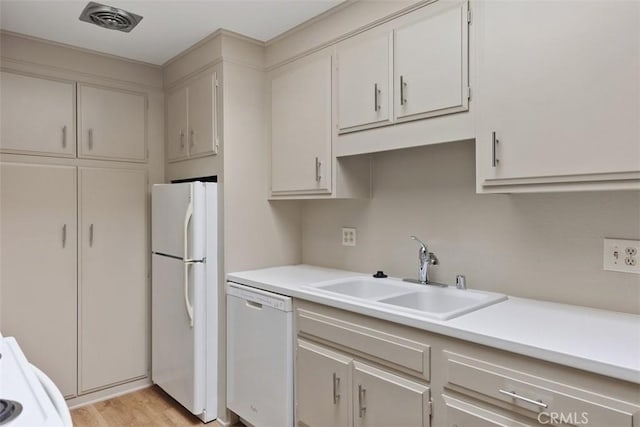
{"x":39,"y":118}
{"x":192,"y":119}
{"x":38,"y":115}
{"x":414,"y":67}
{"x":364,"y":82}
{"x":559,"y":86}
{"x":301,"y":130}
{"x":431,"y":63}
{"x":111,"y":124}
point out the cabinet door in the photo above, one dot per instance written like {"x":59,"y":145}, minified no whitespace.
{"x":301,"y":127}
{"x":564,"y":102}
{"x":202,"y":116}
{"x":38,"y":115}
{"x":323,"y":386}
{"x":431,"y":63}
{"x":38,"y":276}
{"x":114,"y":291}
{"x":112,"y":124}
{"x":177,"y":128}
{"x":384,"y":399}
{"x":364,"y":73}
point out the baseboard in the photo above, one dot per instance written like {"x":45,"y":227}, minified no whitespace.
{"x":108,"y":393}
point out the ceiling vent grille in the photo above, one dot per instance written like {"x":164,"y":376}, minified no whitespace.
{"x":109,"y":17}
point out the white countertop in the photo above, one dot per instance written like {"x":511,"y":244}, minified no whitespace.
{"x":598,"y":341}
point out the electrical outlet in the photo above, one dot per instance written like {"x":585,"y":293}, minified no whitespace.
{"x":348,"y":236}
{"x":622,"y":255}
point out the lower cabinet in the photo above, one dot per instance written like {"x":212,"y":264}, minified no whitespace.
{"x":74,"y":288}
{"x":323,"y":386}
{"x":333,"y":389}
{"x":354,"y":370}
{"x":463,"y":414}
{"x":385,"y":399}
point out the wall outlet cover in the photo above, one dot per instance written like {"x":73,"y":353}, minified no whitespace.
{"x":622,"y":255}
{"x":348,"y":236}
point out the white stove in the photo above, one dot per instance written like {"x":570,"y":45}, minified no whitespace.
{"x":28,"y":398}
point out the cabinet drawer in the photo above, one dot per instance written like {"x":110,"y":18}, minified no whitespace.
{"x":413,"y":356}
{"x":539,"y":397}
{"x":464,"y":414}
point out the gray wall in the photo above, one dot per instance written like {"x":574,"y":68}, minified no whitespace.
{"x":542,"y":246}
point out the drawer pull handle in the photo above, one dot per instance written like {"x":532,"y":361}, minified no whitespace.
{"x":494,"y":144}
{"x":514,"y":395}
{"x":318,"y":166}
{"x":361,"y":406}
{"x":336,"y":385}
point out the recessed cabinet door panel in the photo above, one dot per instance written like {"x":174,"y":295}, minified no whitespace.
{"x":384,"y":399}
{"x":114,"y":291}
{"x":463,"y":414}
{"x":177,"y":128}
{"x":38,"y":275}
{"x":202,"y":113}
{"x":559,"y":84}
{"x":431,"y":68}
{"x":301,"y":129}
{"x":112,"y":124}
{"x":323,"y":386}
{"x":364,"y":95}
{"x":38,"y":115}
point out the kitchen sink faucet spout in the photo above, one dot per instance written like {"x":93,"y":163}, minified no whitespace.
{"x":425,"y":259}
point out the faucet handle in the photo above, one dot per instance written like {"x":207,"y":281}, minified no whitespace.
{"x":461,"y":282}
{"x":433,"y":260}
{"x":424,"y":245}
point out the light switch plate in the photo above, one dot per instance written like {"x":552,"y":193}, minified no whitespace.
{"x":622,"y":255}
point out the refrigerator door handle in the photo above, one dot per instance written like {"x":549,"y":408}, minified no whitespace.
{"x":187,"y":218}
{"x":187,"y":302}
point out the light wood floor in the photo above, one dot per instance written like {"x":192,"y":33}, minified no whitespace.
{"x":148,"y":407}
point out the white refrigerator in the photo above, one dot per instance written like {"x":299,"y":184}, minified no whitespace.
{"x":184,"y":294}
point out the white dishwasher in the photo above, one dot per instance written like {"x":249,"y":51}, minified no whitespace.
{"x":259,"y":356}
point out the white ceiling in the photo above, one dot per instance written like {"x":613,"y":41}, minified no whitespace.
{"x":168,"y":26}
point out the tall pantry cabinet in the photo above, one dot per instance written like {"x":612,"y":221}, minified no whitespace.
{"x":74,"y":285}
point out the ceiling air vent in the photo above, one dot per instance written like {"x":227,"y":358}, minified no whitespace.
{"x":109,"y":17}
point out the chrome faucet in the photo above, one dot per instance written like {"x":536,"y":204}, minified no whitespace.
{"x":426,"y":259}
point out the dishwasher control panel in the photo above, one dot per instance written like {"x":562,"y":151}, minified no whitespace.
{"x":258,"y":296}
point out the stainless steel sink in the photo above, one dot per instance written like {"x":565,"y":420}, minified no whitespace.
{"x":424,"y":301}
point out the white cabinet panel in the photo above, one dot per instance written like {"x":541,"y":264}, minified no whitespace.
{"x":177,"y":125}
{"x":192,"y":118}
{"x":202,"y":116}
{"x":384,"y":399}
{"x":364,"y":81}
{"x":38,"y":275}
{"x":301,"y":127}
{"x":112,"y":124}
{"x":38,"y":115}
{"x":559,"y":84}
{"x":323,"y":385}
{"x":114,"y":291}
{"x":431,"y":63}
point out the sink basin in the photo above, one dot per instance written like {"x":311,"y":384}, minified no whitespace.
{"x":444,"y":303}
{"x":366,"y":288}
{"x":410,"y":298}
